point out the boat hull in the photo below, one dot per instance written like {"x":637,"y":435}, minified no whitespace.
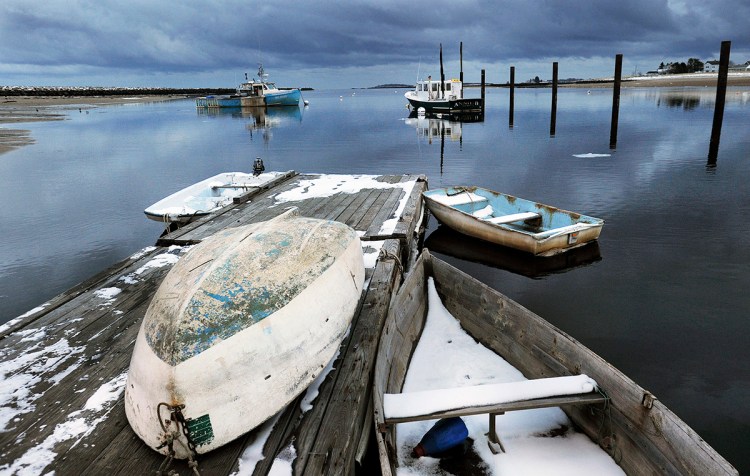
{"x":445,"y":106}
{"x":555,"y":232}
{"x":289,"y":97}
{"x":641,"y":434}
{"x":241,"y":326}
{"x":218,"y":101}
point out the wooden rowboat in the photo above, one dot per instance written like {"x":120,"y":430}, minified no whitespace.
{"x":239,"y":327}
{"x":533,"y":227}
{"x":640,"y":434}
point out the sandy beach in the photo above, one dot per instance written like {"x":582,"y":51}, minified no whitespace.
{"x":21,"y":109}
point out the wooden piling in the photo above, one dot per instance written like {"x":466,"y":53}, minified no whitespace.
{"x":482,"y":92}
{"x":512,"y":95}
{"x":721,"y":92}
{"x":553,"y":113}
{"x":615,"y":102}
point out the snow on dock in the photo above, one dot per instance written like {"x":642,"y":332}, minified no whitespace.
{"x":62,"y":364}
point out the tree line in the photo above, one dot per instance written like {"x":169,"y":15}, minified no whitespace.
{"x":693,"y":65}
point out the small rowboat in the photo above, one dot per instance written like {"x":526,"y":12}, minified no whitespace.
{"x":639,"y":432}
{"x":535,"y":228}
{"x":206,"y":196}
{"x":240,"y":326}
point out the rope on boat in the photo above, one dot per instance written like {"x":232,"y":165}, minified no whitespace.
{"x":169,"y":437}
{"x":607,"y":441}
{"x":385,"y":254}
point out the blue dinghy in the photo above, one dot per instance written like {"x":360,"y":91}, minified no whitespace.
{"x":533,"y":227}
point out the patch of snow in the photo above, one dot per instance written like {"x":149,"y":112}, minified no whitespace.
{"x":446,"y":356}
{"x":591,"y":155}
{"x":78,"y":425}
{"x":20,"y":375}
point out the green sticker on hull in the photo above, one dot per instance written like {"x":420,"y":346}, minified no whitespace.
{"x":200,"y":430}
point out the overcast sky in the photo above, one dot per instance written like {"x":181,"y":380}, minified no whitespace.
{"x":352,"y":43}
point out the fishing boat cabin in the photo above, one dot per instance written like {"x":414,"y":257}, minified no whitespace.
{"x":442,"y":97}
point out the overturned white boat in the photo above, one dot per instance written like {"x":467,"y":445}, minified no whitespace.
{"x":206,"y":196}
{"x":238,"y":328}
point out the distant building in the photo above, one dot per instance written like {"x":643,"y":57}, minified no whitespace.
{"x":711,"y":67}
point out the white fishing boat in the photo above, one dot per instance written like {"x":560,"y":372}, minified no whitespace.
{"x":239,"y":327}
{"x":445,"y":98}
{"x":442,"y":97}
{"x":207,"y":196}
{"x":503,"y":219}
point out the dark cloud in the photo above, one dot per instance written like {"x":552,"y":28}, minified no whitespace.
{"x":199,"y":37}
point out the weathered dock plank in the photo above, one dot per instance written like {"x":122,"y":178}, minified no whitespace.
{"x":67,"y":360}
{"x":336,"y":442}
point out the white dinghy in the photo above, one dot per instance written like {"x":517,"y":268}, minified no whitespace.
{"x":206,"y":196}
{"x":239,"y":327}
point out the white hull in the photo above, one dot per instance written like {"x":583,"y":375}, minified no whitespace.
{"x":206,"y":196}
{"x":238,"y":382}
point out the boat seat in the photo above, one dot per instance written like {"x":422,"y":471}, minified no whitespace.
{"x":493,"y":399}
{"x":484,"y":212}
{"x":574,"y":228}
{"x":513,"y":217}
{"x":462,"y":198}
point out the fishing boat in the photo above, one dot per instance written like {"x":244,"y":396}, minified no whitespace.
{"x":636,"y":430}
{"x":442,"y":97}
{"x":503,"y":219}
{"x":240,"y":326}
{"x":255,"y":93}
{"x":207,"y":196}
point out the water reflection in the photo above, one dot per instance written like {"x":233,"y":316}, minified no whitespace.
{"x":452,"y":243}
{"x":688,"y":98}
{"x":666,"y":306}
{"x":261,"y":119}
{"x":432,"y":128}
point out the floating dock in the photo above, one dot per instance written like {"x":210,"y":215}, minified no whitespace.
{"x":64,"y":363}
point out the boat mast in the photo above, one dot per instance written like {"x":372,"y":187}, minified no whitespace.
{"x":461,"y":60}
{"x":442,"y":75}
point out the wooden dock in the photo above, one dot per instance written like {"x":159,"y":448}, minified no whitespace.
{"x":64,"y":364}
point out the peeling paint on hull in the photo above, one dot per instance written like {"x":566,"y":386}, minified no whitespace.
{"x":241,"y":326}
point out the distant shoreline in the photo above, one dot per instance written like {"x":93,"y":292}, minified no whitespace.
{"x":674,"y":80}
{"x":44,"y":105}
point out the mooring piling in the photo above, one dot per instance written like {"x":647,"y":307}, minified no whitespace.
{"x":721,"y":92}
{"x":615,"y":102}
{"x":482,"y":92}
{"x":553,"y":112}
{"x":512,"y":95}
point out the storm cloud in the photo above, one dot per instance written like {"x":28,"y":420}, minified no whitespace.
{"x":197,"y":43}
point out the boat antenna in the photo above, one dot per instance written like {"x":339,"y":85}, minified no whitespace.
{"x":419,"y":66}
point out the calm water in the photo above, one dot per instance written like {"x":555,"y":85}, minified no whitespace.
{"x":664,"y":297}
